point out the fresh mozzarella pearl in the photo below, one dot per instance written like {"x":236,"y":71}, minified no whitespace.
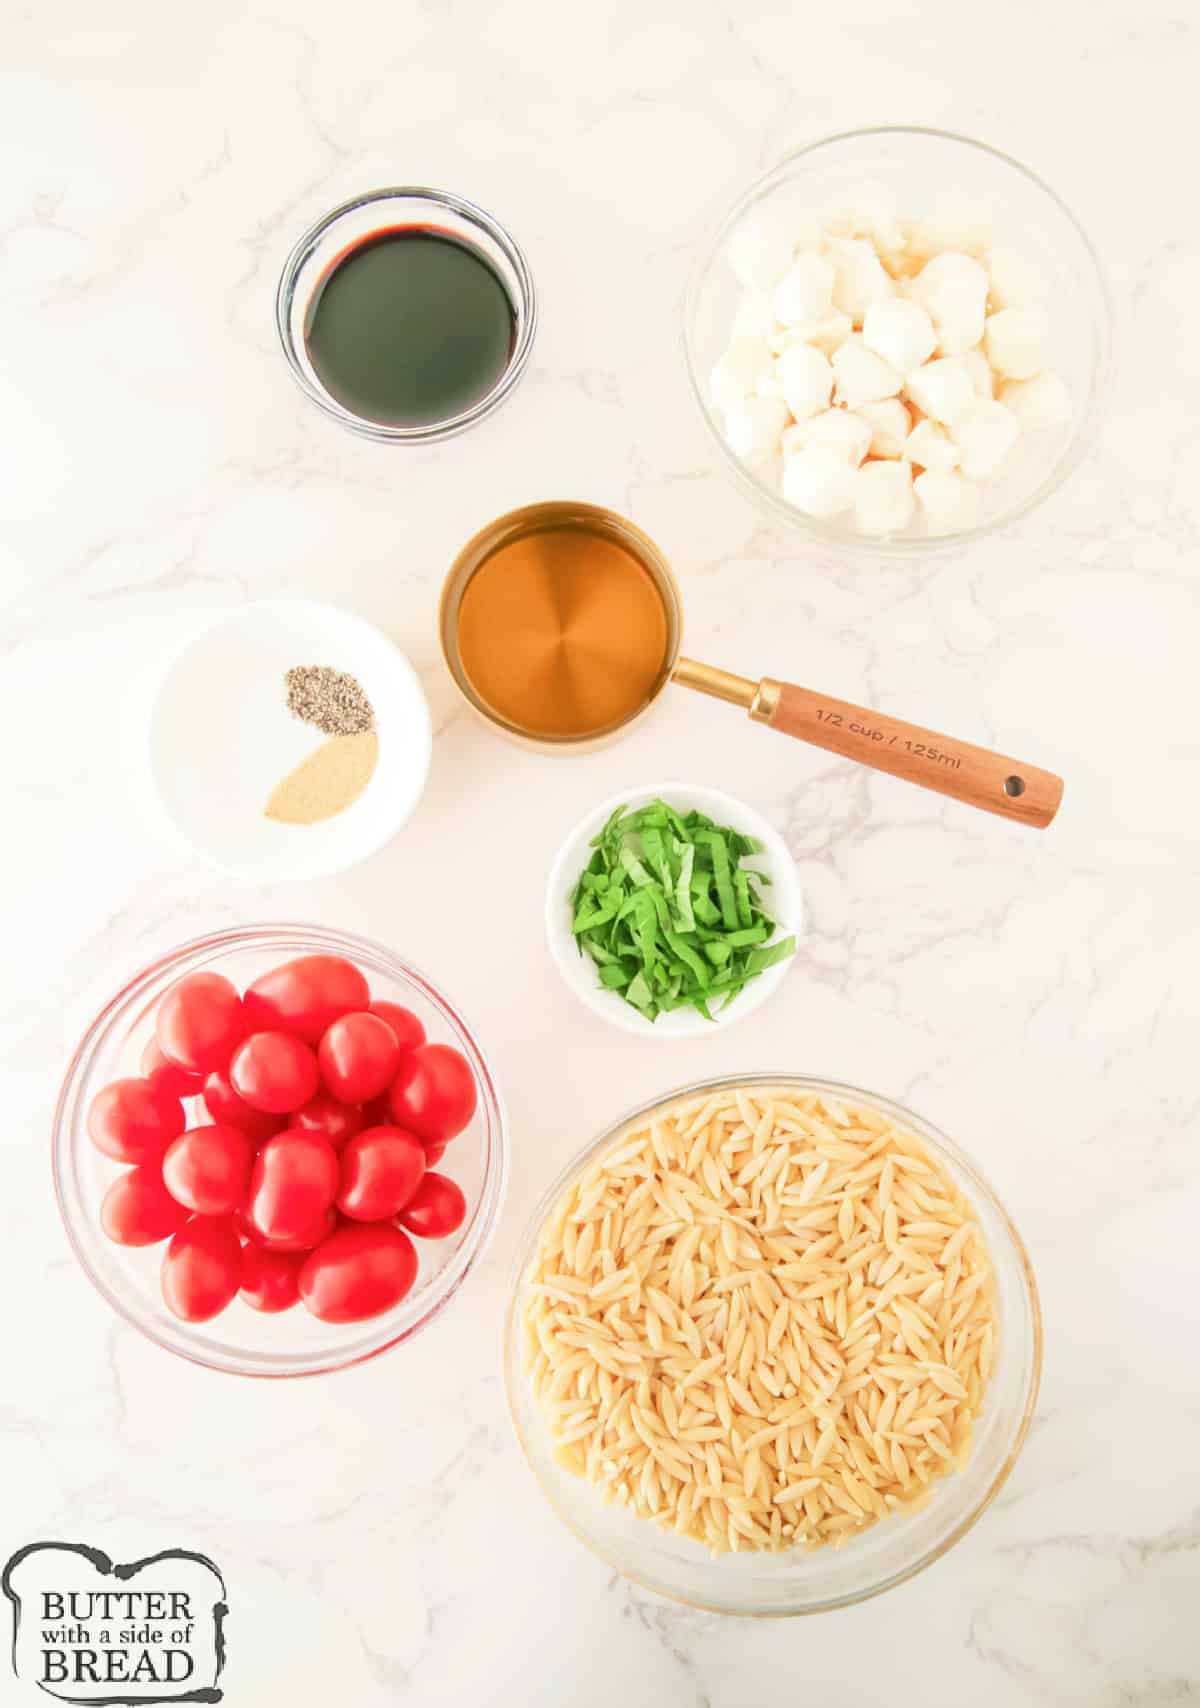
{"x":1015,"y":341}
{"x":890,"y":425}
{"x":931,"y":447}
{"x":754,"y":428}
{"x":862,"y":376}
{"x":760,"y":252}
{"x":861,"y":279}
{"x":883,"y":497}
{"x":836,"y":429}
{"x":954,"y":288}
{"x":736,"y":374}
{"x":980,"y":370}
{"x":805,"y":292}
{"x":945,"y":497}
{"x":901,"y":332}
{"x":1043,"y":401}
{"x":755,"y":318}
{"x":806,"y":379}
{"x":824,"y":334}
{"x":1016,"y":281}
{"x":819,"y":481}
{"x":942,"y":389}
{"x":985,"y":434}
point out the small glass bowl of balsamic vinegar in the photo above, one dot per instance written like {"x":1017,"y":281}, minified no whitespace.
{"x":407,"y":314}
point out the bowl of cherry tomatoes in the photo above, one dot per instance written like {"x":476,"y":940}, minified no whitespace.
{"x":279,"y":1150}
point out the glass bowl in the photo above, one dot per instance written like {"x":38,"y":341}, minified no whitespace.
{"x":241,"y":1340}
{"x":939,"y":172}
{"x":326,"y":243}
{"x":871,"y":1561}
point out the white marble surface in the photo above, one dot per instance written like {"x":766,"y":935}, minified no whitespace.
{"x":1036,"y":995}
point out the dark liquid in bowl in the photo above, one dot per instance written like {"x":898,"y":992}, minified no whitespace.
{"x":410,"y":328}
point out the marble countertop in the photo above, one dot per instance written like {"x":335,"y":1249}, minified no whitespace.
{"x":1035,"y":995}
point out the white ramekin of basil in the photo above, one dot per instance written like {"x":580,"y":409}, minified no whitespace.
{"x":673,"y":909}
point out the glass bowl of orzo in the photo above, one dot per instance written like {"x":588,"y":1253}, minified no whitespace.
{"x":773,"y":1345}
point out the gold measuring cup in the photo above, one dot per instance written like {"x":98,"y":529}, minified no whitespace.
{"x":975,"y":775}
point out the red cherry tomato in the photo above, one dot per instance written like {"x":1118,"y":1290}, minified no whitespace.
{"x":320,"y":1229}
{"x":132,"y":1120}
{"x":208,"y":1170}
{"x":359,"y":1271}
{"x":294,"y":1181}
{"x":433,"y":1093}
{"x":381,"y":1169}
{"x":274,"y":1072}
{"x":337,"y":1121}
{"x":434,"y":1153}
{"x":406,"y":1028}
{"x":201,"y":1268}
{"x":229,"y":1110}
{"x":306,"y":996}
{"x":166,"y":1075}
{"x":270,"y":1279}
{"x":199,"y":1021}
{"x":377,"y":1112}
{"x":435,"y":1209}
{"x":358,"y":1056}
{"x":137,"y":1209}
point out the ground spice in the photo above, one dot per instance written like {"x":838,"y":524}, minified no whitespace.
{"x":330,"y":699}
{"x":328,"y":781}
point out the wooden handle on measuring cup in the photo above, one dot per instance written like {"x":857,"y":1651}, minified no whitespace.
{"x":975,"y":775}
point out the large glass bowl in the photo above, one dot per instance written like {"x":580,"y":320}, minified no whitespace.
{"x":241,"y":1340}
{"x":923,"y":170}
{"x":875,"y":1559}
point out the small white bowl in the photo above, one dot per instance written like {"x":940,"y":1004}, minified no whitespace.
{"x":221,"y":737}
{"x":781,"y":898}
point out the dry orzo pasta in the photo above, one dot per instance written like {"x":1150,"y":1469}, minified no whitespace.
{"x":763,"y":1319}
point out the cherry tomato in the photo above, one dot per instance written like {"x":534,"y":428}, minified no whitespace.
{"x":293,"y":1183}
{"x":358,"y":1056}
{"x":320,"y":1229}
{"x":199,"y":1021}
{"x":166,"y":1075}
{"x":406,"y":1028}
{"x":306,"y":996}
{"x":208,"y":1170}
{"x":434,"y":1154}
{"x":202,"y":1268}
{"x":377,"y":1112}
{"x":229,"y":1110}
{"x":132,"y":1120}
{"x":274,"y":1072}
{"x":381,"y":1169}
{"x":435,"y":1209}
{"x":270,"y":1279}
{"x":338,"y":1121}
{"x":433,"y":1093}
{"x":359,"y":1271}
{"x":137,"y":1209}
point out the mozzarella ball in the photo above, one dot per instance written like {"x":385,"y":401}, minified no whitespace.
{"x":931,"y":447}
{"x":755,"y":318}
{"x":862,"y":376}
{"x":980,"y":370}
{"x":1043,"y":401}
{"x":883,"y":497}
{"x":836,"y":429}
{"x":942,"y":389}
{"x":806,"y":379}
{"x":824,"y":334}
{"x":890,"y":424}
{"x":984,"y":434}
{"x":950,"y":227}
{"x":819,"y":481}
{"x":901,"y":332}
{"x":805,"y":292}
{"x":754,"y":428}
{"x":953,"y":288}
{"x":860,"y":278}
{"x":760,"y":251}
{"x":736,"y":374}
{"x":1015,"y":341}
{"x":945,"y":497}
{"x":1016,"y":280}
